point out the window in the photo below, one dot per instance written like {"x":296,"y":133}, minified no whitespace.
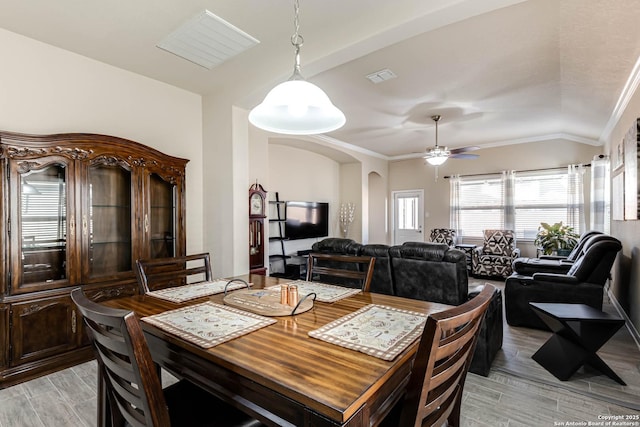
{"x":481,"y":206}
{"x":540,"y":197}
{"x":517,"y":201}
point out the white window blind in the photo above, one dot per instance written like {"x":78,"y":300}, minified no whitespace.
{"x":481,"y":205}
{"x":539,"y":197}
{"x":532,"y":197}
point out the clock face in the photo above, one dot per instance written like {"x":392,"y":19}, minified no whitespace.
{"x":256,"y":205}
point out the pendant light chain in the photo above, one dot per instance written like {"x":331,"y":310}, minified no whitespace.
{"x":296,"y":106}
{"x":296,"y":40}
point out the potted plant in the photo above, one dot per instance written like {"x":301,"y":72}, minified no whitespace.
{"x":558,"y":238}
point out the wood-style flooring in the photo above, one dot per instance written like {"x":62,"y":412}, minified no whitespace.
{"x":517,"y":392}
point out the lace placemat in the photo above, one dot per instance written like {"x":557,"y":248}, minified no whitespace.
{"x":376,"y":330}
{"x":324,"y":292}
{"x":208,"y":324}
{"x":184,"y":293}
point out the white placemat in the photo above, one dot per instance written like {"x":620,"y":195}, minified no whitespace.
{"x":324,"y":292}
{"x":208,"y":324}
{"x":376,"y":330}
{"x":184,"y":293}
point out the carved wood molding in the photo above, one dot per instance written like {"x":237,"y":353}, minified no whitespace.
{"x":25,"y":167}
{"x":73,"y":153}
{"x":110,"y":161}
{"x":18,"y":152}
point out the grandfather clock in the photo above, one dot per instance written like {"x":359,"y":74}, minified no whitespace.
{"x":257,"y":214}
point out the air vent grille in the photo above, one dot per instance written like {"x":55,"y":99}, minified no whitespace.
{"x":207,"y":40}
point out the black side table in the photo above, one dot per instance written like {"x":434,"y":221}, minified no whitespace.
{"x":578,"y":332}
{"x":468,"y":250}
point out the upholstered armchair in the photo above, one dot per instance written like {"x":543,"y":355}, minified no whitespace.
{"x":443,"y":235}
{"x":496,"y":255}
{"x":582,"y":284}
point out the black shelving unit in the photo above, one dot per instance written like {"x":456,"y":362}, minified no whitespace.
{"x":279,"y":220}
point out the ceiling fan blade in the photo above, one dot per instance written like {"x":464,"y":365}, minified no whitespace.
{"x":464,"y":149}
{"x":464,"y":156}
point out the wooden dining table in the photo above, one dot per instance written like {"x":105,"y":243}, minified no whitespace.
{"x":279,"y":373}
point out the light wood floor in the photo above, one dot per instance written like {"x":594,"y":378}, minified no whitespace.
{"x":516,"y":393}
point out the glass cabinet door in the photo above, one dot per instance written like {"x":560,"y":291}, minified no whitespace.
{"x":39,"y":219}
{"x":108,"y":221}
{"x":161,"y":221}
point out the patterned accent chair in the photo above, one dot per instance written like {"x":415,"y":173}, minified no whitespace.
{"x":443,"y":235}
{"x":495,"y":257}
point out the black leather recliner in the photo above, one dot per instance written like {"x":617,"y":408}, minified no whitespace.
{"x":430,"y":271}
{"x":552,"y":264}
{"x":582,"y":284}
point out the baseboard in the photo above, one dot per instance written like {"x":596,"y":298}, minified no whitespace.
{"x":627,"y":321}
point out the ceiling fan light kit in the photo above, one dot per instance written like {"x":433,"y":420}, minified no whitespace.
{"x":436,"y":156}
{"x":297,"y":107}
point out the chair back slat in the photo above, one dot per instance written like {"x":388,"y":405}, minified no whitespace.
{"x":434,"y":391}
{"x":346,"y":270}
{"x":160,"y":273}
{"x":125,"y":366}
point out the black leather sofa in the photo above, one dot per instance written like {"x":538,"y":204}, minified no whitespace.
{"x":583,"y":283}
{"x":431,"y":272}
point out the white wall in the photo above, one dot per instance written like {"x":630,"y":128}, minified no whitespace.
{"x":44,"y":89}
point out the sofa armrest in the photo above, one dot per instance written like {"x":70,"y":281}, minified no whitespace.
{"x":554,"y":257}
{"x":553,"y":277}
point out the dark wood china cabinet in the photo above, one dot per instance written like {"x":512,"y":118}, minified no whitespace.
{"x":77,"y":210}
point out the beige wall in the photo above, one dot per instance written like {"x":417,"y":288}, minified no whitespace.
{"x":45,"y":90}
{"x":415,"y":174}
{"x":301,"y":175}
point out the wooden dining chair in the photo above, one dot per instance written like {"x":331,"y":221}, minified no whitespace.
{"x":345,"y":270}
{"x":128,"y":380}
{"x":434,"y":392}
{"x":160,"y":273}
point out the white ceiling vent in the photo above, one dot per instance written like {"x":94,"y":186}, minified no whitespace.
{"x":381,"y":76}
{"x":207,"y":40}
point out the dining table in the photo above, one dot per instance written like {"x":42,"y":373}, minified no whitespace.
{"x":281,"y":374}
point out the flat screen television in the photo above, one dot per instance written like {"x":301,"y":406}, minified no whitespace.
{"x":306,"y":220}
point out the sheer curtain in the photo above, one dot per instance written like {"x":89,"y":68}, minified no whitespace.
{"x":454,"y":197}
{"x":575,"y":197}
{"x":509,"y":183}
{"x":600,"y":212}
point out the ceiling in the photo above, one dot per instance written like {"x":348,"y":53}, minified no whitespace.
{"x":497,"y":71}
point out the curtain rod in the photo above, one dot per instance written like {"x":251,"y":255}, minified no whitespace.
{"x":526,"y":170}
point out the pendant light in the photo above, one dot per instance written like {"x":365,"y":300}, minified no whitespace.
{"x":297,"y":107}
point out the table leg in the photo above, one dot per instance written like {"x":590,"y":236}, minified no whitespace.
{"x":599,"y":364}
{"x":560,"y":357}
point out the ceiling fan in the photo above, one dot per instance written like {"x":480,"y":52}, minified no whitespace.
{"x":438,"y":155}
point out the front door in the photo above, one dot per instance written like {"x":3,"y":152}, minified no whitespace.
{"x":408,"y":216}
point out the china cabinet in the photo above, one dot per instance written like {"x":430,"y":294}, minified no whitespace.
{"x":77,"y":210}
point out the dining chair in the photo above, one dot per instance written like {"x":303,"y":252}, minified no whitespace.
{"x":344,"y":270}
{"x":129,"y":380}
{"x":434,"y":392}
{"x":160,"y":273}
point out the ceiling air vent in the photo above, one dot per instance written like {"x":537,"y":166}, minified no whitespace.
{"x":207,"y":40}
{"x":381,"y":76}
